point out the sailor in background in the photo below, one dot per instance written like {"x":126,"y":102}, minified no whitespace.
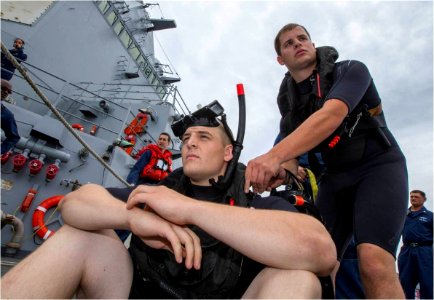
{"x":8,"y":68}
{"x":415,"y":261}
{"x":154,"y":162}
{"x":8,"y":124}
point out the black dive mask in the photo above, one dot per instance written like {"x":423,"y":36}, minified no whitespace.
{"x":207,"y":116}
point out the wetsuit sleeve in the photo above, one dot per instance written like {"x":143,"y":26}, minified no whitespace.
{"x":10,"y":129}
{"x":272,"y":202}
{"x":352,"y":82}
{"x":120,"y":193}
{"x":134,"y":175}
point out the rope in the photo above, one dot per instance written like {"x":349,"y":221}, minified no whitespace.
{"x":12,"y":59}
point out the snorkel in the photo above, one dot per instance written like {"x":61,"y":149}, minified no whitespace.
{"x":209,"y":116}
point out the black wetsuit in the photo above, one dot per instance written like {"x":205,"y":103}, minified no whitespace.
{"x":365,"y":187}
{"x":150,"y":264}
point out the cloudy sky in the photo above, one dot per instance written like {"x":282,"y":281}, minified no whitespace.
{"x":218,"y":44}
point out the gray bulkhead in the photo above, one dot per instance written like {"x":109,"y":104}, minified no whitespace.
{"x":95,"y":63}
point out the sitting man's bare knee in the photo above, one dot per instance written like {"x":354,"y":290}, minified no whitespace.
{"x":277,"y":283}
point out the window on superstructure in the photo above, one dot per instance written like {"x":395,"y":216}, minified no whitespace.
{"x":161,"y":91}
{"x":125,"y":39}
{"x":151,"y":78}
{"x":103,"y":6}
{"x":134,"y":52}
{"x":140,"y":61}
{"x":147,"y":70}
{"x":111,"y":18}
{"x":118,"y":27}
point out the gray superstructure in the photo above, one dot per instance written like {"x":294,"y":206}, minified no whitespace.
{"x":95,"y":63}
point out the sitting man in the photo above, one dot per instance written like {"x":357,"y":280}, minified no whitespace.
{"x":192,"y":240}
{"x":154,"y":162}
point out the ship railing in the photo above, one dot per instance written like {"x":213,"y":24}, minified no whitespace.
{"x":69,"y":98}
{"x":115,"y":19}
{"x":115,"y":14}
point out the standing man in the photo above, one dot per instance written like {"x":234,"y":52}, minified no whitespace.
{"x":8,"y":124}
{"x":334,"y":108}
{"x":154,"y":163}
{"x":415,"y":261}
{"x":8,"y":68}
{"x":193,"y":240}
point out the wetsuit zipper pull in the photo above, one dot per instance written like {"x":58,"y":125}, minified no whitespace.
{"x":359,"y":115}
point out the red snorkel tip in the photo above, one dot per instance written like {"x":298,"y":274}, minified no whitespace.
{"x":240,"y":89}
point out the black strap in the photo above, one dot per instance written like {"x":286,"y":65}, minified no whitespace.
{"x":327,"y":287}
{"x":417,"y":244}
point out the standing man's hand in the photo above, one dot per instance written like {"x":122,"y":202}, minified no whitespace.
{"x":262,"y":173}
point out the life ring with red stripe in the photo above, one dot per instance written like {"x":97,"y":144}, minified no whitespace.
{"x":38,"y":216}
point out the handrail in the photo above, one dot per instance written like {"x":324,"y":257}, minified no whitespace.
{"x":12,"y":59}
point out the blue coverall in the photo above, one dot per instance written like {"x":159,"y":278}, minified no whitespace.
{"x":8,"y":68}
{"x":9,"y":127}
{"x":134,"y":175}
{"x":415,"y":261}
{"x":348,"y":281}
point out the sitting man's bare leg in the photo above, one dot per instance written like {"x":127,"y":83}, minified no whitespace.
{"x":91,"y":264}
{"x":277,"y":283}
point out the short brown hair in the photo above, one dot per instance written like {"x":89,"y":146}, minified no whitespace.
{"x":20,"y":40}
{"x":419,"y":192}
{"x":287,"y":27}
{"x":225,"y":136}
{"x":166,"y":134}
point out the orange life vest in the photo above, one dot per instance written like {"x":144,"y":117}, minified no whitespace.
{"x":153,"y":170}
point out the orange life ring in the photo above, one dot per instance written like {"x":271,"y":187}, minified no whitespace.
{"x":38,"y":216}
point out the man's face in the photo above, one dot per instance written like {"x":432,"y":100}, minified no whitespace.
{"x":18,"y":44}
{"x":5,"y":92}
{"x":416,"y":200}
{"x":163,"y":142}
{"x":204,"y":154}
{"x":297,"y":50}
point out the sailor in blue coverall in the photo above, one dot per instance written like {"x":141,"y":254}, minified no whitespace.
{"x":8,"y":68}
{"x":415,"y":261}
{"x":8,"y":124}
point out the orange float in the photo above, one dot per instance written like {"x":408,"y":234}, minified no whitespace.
{"x":137,"y":125}
{"x":78,"y":126}
{"x":38,"y":216}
